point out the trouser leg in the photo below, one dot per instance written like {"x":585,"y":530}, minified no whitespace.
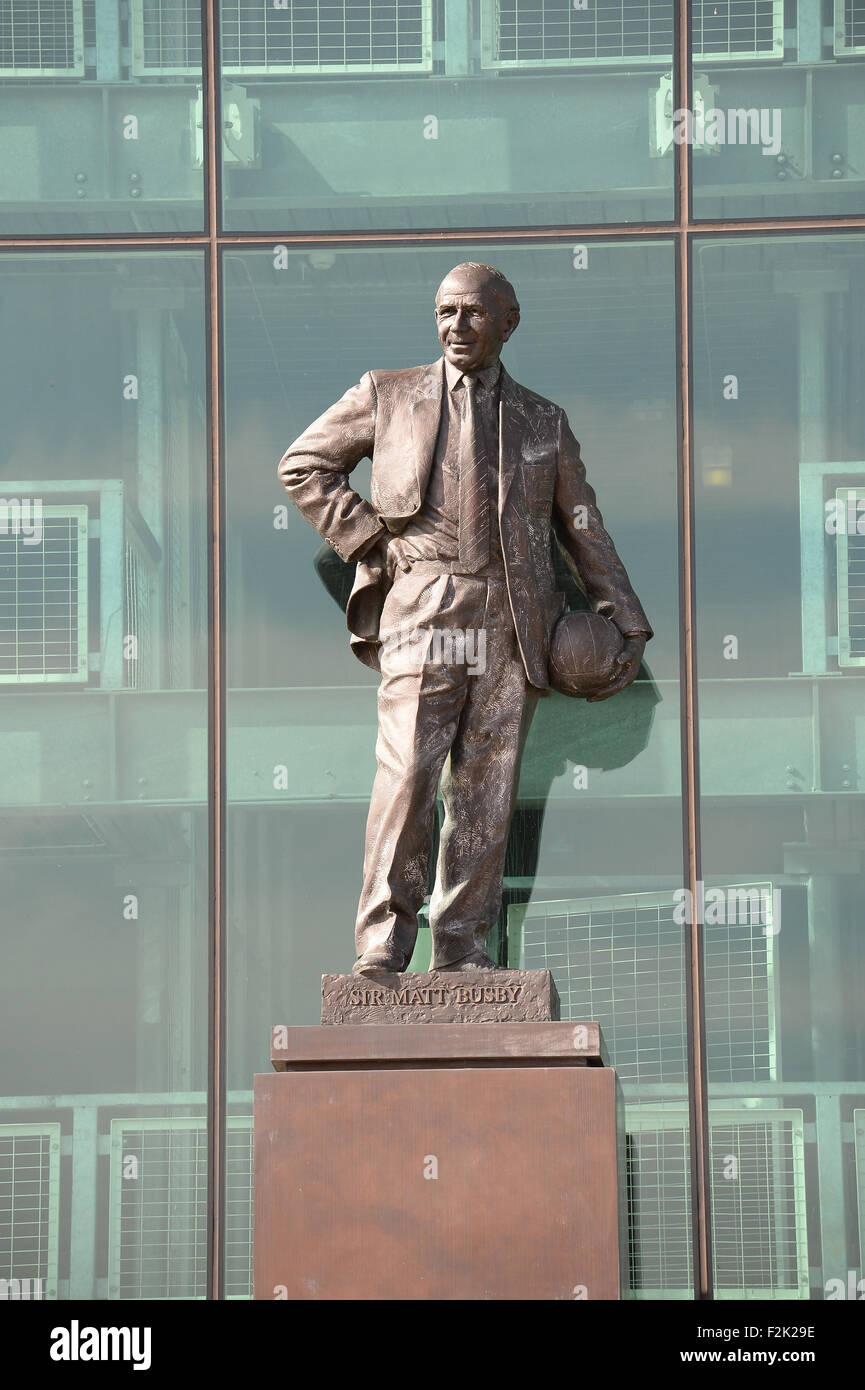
{"x":419,"y":705}
{"x":479,"y":786}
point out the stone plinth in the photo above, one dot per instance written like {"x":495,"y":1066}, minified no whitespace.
{"x":442,"y":1162}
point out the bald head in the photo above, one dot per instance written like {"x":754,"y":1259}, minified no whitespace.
{"x":476,"y":312}
{"x":476,"y":275}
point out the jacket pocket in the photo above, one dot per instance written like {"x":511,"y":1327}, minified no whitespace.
{"x":539,"y":480}
{"x":393,"y":486}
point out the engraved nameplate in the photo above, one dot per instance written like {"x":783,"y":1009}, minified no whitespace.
{"x":469,"y":996}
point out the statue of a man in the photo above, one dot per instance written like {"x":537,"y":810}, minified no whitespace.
{"x":454,"y":601}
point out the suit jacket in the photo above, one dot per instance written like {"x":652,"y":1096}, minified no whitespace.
{"x":393,"y":418}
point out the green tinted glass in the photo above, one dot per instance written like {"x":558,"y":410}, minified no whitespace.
{"x":103,"y":829}
{"x":780,"y":522}
{"x":779,"y":108}
{"x":440,"y":113}
{"x":100,"y":116}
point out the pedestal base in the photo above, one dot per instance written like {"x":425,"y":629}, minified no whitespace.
{"x":463,"y":1171}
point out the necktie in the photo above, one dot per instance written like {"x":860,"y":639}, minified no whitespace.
{"x":474,"y":521}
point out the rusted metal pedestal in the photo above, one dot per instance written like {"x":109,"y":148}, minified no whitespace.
{"x":438,"y":1161}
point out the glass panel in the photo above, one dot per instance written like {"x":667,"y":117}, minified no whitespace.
{"x":594,"y":856}
{"x":103,"y":828}
{"x":100,"y":116}
{"x":443,"y":113}
{"x":779,"y":108}
{"x":780,"y":522}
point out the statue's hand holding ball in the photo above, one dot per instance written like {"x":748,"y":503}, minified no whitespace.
{"x":590,"y":659}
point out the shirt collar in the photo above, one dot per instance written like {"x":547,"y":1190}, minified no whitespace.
{"x":488,"y":377}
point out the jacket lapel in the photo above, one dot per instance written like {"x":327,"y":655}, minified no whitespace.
{"x":511,"y":425}
{"x":426,"y":409}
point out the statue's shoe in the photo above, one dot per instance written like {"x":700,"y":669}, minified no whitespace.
{"x":378,"y":963}
{"x":475,"y":960}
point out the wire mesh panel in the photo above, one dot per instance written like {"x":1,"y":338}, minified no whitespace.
{"x":43,"y":592}
{"x":158,"y":1208}
{"x":533,"y":33}
{"x":849,"y":26}
{"x":41,"y":38}
{"x":238,"y":1207}
{"x":302,"y":36}
{"x":758,"y":1202}
{"x":166,"y":37}
{"x":620,"y":961}
{"x":659,"y":1185}
{"x":29,"y":1209}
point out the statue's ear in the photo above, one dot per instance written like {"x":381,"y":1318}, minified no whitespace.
{"x":511,"y":323}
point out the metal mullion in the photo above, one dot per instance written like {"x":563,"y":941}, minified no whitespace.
{"x":563,"y":232}
{"x":595,"y":231}
{"x":695,"y":985}
{"x":743,"y":226}
{"x":698,"y":1107}
{"x":117,"y":241}
{"x":216,"y":819}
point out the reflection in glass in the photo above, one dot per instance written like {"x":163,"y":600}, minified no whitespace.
{"x":779,"y":108}
{"x":780,"y":451}
{"x":103,"y":831}
{"x":428,"y":113}
{"x":100,"y":116}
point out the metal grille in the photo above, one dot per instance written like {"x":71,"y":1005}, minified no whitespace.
{"x":41,"y":38}
{"x":851,"y":577}
{"x":302,"y":36}
{"x":758,"y":1202}
{"x":43,"y":592}
{"x":29,"y":1208}
{"x":620,"y":961}
{"x":538,"y":33}
{"x":849,"y":26}
{"x":158,"y":1208}
{"x":659,"y":1216}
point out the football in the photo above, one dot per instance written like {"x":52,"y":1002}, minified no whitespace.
{"x":583,"y":652}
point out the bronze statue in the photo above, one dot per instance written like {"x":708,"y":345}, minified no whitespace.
{"x":454,"y":601}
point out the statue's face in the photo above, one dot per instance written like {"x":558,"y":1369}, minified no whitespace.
{"x":473,"y":321}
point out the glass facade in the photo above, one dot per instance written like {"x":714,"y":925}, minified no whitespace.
{"x":780,"y":458}
{"x":103,"y":663}
{"x":164,"y":341}
{"x":777,"y":108}
{"x":101,"y":109}
{"x":443,"y":113}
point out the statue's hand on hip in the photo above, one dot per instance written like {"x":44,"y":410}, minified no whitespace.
{"x":388,"y":554}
